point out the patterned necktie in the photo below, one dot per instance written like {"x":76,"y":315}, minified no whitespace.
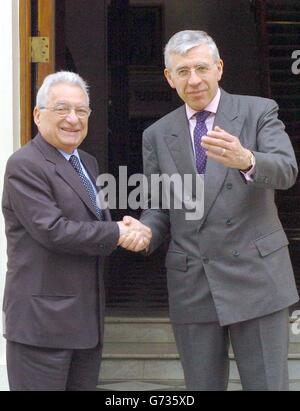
{"x":87,"y":185}
{"x":199,"y":132}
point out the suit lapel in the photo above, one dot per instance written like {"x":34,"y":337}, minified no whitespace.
{"x":180,"y":145}
{"x":228,"y":118}
{"x":64,"y":170}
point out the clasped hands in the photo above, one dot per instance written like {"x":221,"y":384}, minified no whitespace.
{"x":134,"y":236}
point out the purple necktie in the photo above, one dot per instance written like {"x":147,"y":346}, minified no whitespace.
{"x":74,"y":161}
{"x":199,"y":132}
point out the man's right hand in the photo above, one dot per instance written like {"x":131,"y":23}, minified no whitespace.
{"x":134,"y":236}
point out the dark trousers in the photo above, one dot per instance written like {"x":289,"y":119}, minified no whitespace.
{"x":260,"y":347}
{"x":45,"y":369}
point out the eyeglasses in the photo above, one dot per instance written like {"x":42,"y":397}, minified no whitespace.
{"x":200,"y":70}
{"x":65,"y":110}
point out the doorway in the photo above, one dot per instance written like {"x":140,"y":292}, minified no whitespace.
{"x":137,"y":97}
{"x":117,"y":46}
{"x":118,"y":50}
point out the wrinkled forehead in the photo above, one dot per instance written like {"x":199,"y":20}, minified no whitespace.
{"x":67,"y":93}
{"x":201,"y":52}
{"x":200,"y":55}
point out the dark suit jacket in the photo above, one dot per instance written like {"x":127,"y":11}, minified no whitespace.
{"x":54,"y":292}
{"x":239,"y":244}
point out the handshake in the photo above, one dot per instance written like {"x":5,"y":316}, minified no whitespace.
{"x":134,"y":236}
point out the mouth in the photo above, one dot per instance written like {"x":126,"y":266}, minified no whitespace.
{"x":70,"y":130}
{"x":197,"y":92}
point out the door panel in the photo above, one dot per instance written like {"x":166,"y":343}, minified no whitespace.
{"x":25,"y":70}
{"x":81,"y":47}
{"x":37,"y":18}
{"x":46,"y":28}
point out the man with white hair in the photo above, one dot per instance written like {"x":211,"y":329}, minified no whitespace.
{"x":229,"y":273}
{"x":58,"y":237}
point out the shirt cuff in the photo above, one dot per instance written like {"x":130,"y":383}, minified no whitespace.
{"x":249,"y":174}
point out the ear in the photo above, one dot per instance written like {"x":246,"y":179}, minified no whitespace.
{"x":220,"y":67}
{"x":36,"y":116}
{"x":168,"y":76}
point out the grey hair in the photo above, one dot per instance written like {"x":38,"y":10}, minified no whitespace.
{"x":183,"y":41}
{"x":61,"y":77}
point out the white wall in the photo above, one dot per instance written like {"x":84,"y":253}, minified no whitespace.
{"x":9,"y":125}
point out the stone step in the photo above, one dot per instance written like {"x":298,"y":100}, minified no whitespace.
{"x":159,"y":361}
{"x":140,"y":361}
{"x":138,"y":329}
{"x":159,"y":330}
{"x":143,"y":348}
{"x":156,"y":351}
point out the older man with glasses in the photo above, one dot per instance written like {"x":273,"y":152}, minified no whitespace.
{"x":58,"y":236}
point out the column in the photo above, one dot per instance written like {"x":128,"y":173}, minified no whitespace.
{"x":9,"y":128}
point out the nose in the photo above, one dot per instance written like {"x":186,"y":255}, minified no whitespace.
{"x":72,"y":116}
{"x":194,"y":78}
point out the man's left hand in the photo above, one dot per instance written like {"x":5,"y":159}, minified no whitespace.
{"x":226,"y":149}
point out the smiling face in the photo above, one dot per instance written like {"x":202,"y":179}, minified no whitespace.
{"x":64,"y":133}
{"x":196,"y":90}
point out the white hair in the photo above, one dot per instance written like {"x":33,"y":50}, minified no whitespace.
{"x":183,"y":41}
{"x":61,"y":77}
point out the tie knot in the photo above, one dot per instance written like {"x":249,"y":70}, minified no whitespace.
{"x":201,"y":116}
{"x":75,"y":163}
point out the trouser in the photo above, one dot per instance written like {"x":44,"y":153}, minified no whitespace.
{"x":260,"y":348}
{"x":46,"y":369}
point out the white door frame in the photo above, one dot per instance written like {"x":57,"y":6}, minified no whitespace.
{"x":9,"y":127}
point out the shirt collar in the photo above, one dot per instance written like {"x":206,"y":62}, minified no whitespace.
{"x":68,"y":155}
{"x":212,"y":106}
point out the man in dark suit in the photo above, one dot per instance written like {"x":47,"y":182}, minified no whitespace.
{"x":229,"y":273}
{"x":57,"y":239}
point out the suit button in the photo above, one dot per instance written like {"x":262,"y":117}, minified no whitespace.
{"x":228,"y":222}
{"x":229,"y":186}
{"x":205,"y":260}
{"x":235,"y":253}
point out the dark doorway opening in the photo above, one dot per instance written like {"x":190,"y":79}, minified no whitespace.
{"x":138,"y":96}
{"x":117,"y":46}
